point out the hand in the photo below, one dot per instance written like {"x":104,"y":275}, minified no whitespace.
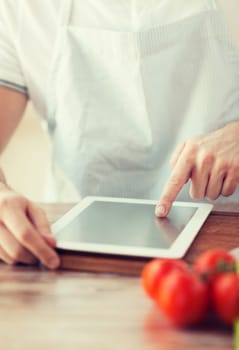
{"x":211,"y":161}
{"x":24,"y":231}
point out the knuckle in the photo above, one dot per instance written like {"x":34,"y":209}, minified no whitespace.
{"x":175,"y":181}
{"x":26,"y":235}
{"x":5,"y":202}
{"x":223,"y":167}
{"x":207,"y":159}
{"x":230,"y":179}
{"x":192,"y":145}
{"x":190,"y":160}
{"x":19,"y":201}
{"x":11,"y":200}
{"x":233,"y":174}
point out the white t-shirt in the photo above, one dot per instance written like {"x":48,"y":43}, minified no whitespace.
{"x":28,"y":31}
{"x":27,"y":34}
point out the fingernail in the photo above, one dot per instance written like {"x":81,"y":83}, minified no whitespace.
{"x":53,"y":263}
{"x":160,"y":210}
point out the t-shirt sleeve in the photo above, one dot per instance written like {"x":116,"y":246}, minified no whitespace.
{"x":11,"y":74}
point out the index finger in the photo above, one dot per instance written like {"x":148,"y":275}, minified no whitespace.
{"x":179,"y":176}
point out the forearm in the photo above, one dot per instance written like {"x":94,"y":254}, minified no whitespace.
{"x":12,"y":106}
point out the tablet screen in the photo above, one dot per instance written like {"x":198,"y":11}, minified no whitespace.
{"x":125,"y":224}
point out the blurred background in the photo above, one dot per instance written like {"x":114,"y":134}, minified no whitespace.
{"x":27,"y":156}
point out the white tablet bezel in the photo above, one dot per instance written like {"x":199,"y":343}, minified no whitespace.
{"x":176,"y":250}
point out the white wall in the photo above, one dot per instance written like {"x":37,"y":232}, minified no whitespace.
{"x":26,"y":157}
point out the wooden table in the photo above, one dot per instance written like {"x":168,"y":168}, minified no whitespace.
{"x":45,"y":310}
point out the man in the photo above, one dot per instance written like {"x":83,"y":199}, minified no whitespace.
{"x":121,"y":85}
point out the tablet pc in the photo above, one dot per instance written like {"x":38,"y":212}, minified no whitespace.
{"x":129,"y":227}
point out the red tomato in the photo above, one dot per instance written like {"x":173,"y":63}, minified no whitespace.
{"x":155,"y":270}
{"x":183,"y":298}
{"x":213,"y":262}
{"x":225,"y":297}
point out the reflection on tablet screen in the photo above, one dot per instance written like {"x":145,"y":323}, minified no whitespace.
{"x":125,"y":224}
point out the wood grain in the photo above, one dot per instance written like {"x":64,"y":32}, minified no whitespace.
{"x":106,"y":263}
{"x":45,"y":310}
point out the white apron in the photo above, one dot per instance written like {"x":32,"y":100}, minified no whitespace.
{"x":122,"y":98}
